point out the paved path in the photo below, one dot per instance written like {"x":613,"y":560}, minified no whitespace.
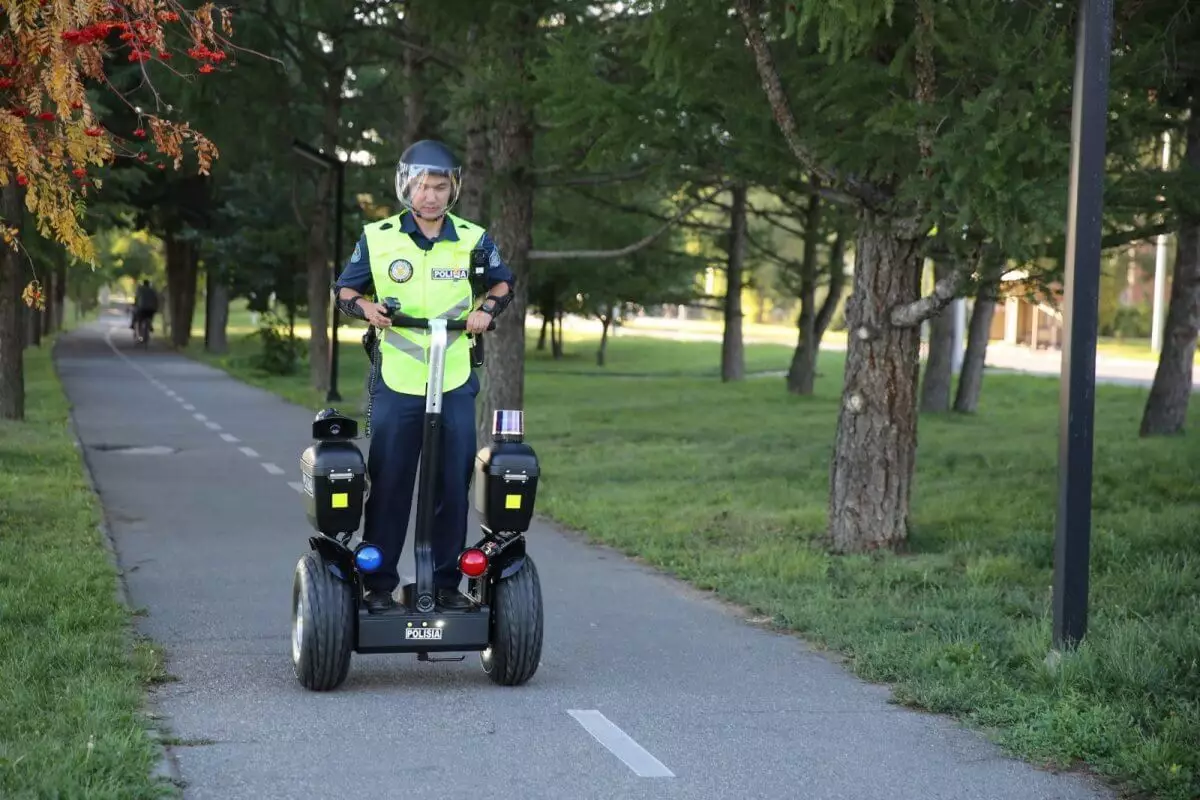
{"x":208,"y":527}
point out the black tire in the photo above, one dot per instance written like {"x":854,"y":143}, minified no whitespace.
{"x":516,"y":649}
{"x":322,"y":625}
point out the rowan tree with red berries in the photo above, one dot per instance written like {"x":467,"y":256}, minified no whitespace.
{"x":57,"y":58}
{"x":52,"y":142}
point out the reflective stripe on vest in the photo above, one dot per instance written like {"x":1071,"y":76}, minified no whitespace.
{"x":432,"y":284}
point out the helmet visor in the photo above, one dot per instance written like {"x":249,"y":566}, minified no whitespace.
{"x":427,"y":191}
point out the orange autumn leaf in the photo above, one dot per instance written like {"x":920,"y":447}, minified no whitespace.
{"x":51,"y":137}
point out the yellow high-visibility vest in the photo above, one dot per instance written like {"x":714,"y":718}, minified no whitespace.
{"x":434,"y":284}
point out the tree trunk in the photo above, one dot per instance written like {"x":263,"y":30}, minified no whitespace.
{"x":412,"y":128}
{"x":182,"y":266}
{"x":504,"y":370}
{"x":802,"y":374}
{"x":46,"y":318}
{"x":548,"y":307}
{"x":970,"y":381}
{"x":216,"y":315}
{"x":837,"y":283}
{"x":318,"y":282}
{"x":12,"y":357}
{"x":60,"y":295}
{"x":556,"y":336}
{"x":876,"y":444}
{"x":1166,"y":407}
{"x":33,"y":326}
{"x":733,"y":350}
{"x":320,"y":273}
{"x":473,"y":200}
{"x":939,"y":368}
{"x":606,"y":320}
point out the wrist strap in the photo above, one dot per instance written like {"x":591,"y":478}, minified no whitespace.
{"x":351,"y":308}
{"x":499,"y":304}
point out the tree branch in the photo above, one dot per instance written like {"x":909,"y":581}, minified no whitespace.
{"x":945,"y":290}
{"x":789,"y":263}
{"x":837,"y":281}
{"x":594,"y":179}
{"x":1119,"y":238}
{"x":773,"y":217}
{"x":553,"y":255}
{"x":866,"y":193}
{"x":630,"y":209}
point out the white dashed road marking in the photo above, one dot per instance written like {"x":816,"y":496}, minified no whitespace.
{"x":621,"y":745}
{"x":273,"y":469}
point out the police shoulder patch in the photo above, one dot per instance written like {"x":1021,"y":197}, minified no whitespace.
{"x":400,"y":270}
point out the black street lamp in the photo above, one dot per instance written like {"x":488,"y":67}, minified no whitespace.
{"x":1077,"y":393}
{"x":335,"y":163}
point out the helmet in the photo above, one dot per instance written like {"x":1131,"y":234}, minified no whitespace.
{"x":423,"y":160}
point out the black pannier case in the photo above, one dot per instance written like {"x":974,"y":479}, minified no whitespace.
{"x":334,"y":478}
{"x":506,"y":477}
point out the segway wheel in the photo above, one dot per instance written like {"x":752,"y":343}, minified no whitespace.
{"x":516,"y":647}
{"x":322,"y":625}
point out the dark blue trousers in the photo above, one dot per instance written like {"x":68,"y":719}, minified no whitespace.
{"x":397,"y":431}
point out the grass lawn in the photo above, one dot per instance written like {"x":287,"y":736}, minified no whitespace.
{"x":72,"y":679}
{"x":726,"y":486}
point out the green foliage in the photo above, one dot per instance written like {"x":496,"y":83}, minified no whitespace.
{"x":281,"y":352}
{"x":843,"y":29}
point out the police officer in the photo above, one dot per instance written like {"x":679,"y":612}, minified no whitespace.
{"x":420,"y":257}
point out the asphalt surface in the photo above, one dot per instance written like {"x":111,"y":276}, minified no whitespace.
{"x":693,"y":700}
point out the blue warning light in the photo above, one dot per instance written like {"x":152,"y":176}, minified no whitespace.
{"x":368,"y":558}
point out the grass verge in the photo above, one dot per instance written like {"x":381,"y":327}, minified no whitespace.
{"x":726,"y":486}
{"x":71,"y":686}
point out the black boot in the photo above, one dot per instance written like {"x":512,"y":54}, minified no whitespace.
{"x":452,"y":600}
{"x":379,"y":601}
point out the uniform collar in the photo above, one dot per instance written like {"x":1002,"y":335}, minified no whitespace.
{"x":408,"y":224}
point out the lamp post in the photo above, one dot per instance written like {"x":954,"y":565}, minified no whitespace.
{"x":1085,"y":206}
{"x":330,"y":162}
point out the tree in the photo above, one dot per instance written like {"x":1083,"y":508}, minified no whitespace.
{"x":51,"y":51}
{"x":1160,"y":43}
{"x":941,"y":99}
{"x":1166,"y":407}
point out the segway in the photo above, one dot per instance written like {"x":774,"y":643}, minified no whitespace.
{"x":329,"y":617}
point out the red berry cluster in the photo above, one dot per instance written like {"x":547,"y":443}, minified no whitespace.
{"x":141,"y":36}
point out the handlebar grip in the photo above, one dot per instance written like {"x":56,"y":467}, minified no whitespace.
{"x":405,"y":321}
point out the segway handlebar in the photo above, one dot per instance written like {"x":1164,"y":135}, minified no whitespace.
{"x":405,"y":321}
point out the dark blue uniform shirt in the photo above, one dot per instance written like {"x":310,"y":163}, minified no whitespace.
{"x":357,"y":273}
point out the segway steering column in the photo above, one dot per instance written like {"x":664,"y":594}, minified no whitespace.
{"x":431,"y":443}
